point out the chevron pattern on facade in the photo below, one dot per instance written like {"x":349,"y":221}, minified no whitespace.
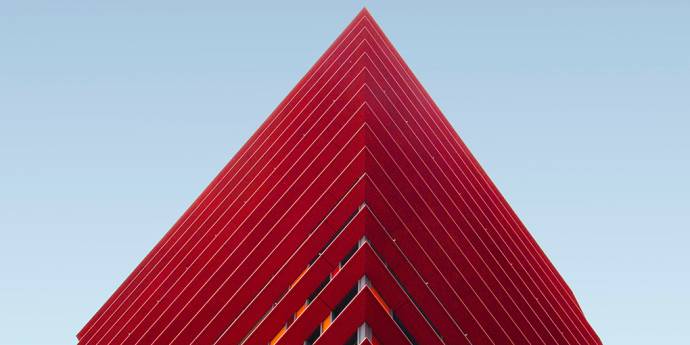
{"x":354,"y":215}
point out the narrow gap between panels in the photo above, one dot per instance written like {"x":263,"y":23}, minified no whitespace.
{"x":347,"y":221}
{"x":364,"y":281}
{"x":351,"y":294}
{"x":326,"y":322}
{"x":323,"y":283}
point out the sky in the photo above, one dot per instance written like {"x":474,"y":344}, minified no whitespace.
{"x":115,"y":115}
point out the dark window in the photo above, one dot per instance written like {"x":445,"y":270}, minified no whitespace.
{"x":404,"y":330}
{"x":345,"y":301}
{"x":318,"y":289}
{"x":349,"y":255}
{"x":290,"y":320}
{"x":314,"y":335}
{"x":352,"y":340}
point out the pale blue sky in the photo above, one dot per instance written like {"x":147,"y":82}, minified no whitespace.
{"x":114,"y":117}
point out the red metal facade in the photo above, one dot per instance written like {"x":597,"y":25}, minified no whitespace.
{"x":354,"y":215}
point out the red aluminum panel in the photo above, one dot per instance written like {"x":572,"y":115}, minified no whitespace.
{"x":357,"y":148}
{"x":474,"y":169}
{"x":327,"y":260}
{"x":304,"y":94}
{"x":364,"y":309}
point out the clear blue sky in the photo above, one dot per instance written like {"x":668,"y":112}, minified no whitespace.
{"x":114,"y":116}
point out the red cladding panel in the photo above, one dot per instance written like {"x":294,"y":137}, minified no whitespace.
{"x":355,"y":181}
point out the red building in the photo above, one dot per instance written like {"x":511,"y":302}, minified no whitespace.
{"x":354,"y":215}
